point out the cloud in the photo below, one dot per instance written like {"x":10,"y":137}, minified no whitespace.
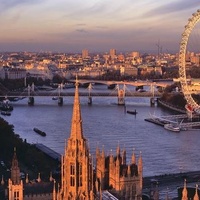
{"x":8,"y":4}
{"x":81,"y":24}
{"x":81,"y":31}
{"x":101,"y":27}
{"x":173,"y":7}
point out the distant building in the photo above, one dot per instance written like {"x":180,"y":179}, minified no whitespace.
{"x":121,"y":57}
{"x":85,"y":53}
{"x":16,"y":73}
{"x":128,"y":71}
{"x":113,"y":54}
{"x":135,"y":54}
{"x":2,"y":73}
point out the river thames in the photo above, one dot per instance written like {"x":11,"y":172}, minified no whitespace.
{"x":106,"y":124}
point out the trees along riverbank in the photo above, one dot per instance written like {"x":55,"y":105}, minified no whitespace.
{"x":177,"y":99}
{"x":31,"y":160}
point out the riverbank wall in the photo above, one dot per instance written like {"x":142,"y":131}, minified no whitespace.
{"x":170,"y":106}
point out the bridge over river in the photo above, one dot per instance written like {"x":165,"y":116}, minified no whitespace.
{"x":120,"y":90}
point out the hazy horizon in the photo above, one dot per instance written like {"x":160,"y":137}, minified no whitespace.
{"x":96,"y":25}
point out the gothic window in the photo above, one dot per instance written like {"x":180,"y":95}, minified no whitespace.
{"x":80,"y":173}
{"x":134,"y":189}
{"x":16,"y":195}
{"x":80,"y":169}
{"x":72,"y":174}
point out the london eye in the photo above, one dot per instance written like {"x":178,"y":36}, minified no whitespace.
{"x":192,"y":106}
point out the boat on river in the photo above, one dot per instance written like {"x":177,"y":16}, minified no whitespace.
{"x":132,"y":112}
{"x":54,"y":98}
{"x":5,"y":106}
{"x":42,"y":133}
{"x":172,"y":127}
{"x":7,"y":113}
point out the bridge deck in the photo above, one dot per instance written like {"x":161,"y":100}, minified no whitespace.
{"x":63,"y":94}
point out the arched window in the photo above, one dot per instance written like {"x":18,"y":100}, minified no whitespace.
{"x":16,"y":195}
{"x":80,"y":173}
{"x":72,"y":174}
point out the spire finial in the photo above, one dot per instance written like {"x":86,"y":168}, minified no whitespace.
{"x":39,"y":179}
{"x":27,"y":181}
{"x":76,"y":80}
{"x":118,"y":149}
{"x":184,"y":191}
{"x":2,"y":180}
{"x":51,"y":177}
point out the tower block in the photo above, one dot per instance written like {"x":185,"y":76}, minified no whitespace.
{"x":113,"y":172}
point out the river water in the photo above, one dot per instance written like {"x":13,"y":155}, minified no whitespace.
{"x":107,"y":124}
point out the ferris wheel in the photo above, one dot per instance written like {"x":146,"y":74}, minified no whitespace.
{"x":192,"y":105}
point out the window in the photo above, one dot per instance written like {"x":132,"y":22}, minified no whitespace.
{"x":72,"y":169}
{"x":16,"y":195}
{"x":80,"y":178}
{"x":72,"y":174}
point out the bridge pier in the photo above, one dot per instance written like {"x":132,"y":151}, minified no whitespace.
{"x":31,"y":101}
{"x":60,"y":101}
{"x":121,"y":98}
{"x":152,"y":101}
{"x":89,"y":100}
{"x":89,"y":94}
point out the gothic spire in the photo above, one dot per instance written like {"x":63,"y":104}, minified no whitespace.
{"x":196,"y":196}
{"x":184,"y":191}
{"x":15,"y":171}
{"x":27,"y":180}
{"x":76,"y":125}
{"x":133,"y":159}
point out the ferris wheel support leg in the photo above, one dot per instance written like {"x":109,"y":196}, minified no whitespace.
{"x":190,"y":115}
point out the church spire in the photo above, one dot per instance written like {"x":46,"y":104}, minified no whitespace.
{"x":196,"y":196}
{"x":184,"y":191}
{"x":15,"y":171}
{"x":76,"y":126}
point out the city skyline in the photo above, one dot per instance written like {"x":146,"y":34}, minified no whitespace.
{"x":96,"y":25}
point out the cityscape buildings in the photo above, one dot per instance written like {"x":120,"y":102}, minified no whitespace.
{"x":46,"y":65}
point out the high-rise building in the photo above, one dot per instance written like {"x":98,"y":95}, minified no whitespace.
{"x":135,"y":54}
{"x":113,"y":53}
{"x":85,"y":53}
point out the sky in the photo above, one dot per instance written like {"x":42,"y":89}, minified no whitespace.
{"x":97,"y":25}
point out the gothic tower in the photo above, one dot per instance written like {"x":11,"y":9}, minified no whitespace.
{"x":15,"y":184}
{"x":77,"y":170}
{"x":114,"y":173}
